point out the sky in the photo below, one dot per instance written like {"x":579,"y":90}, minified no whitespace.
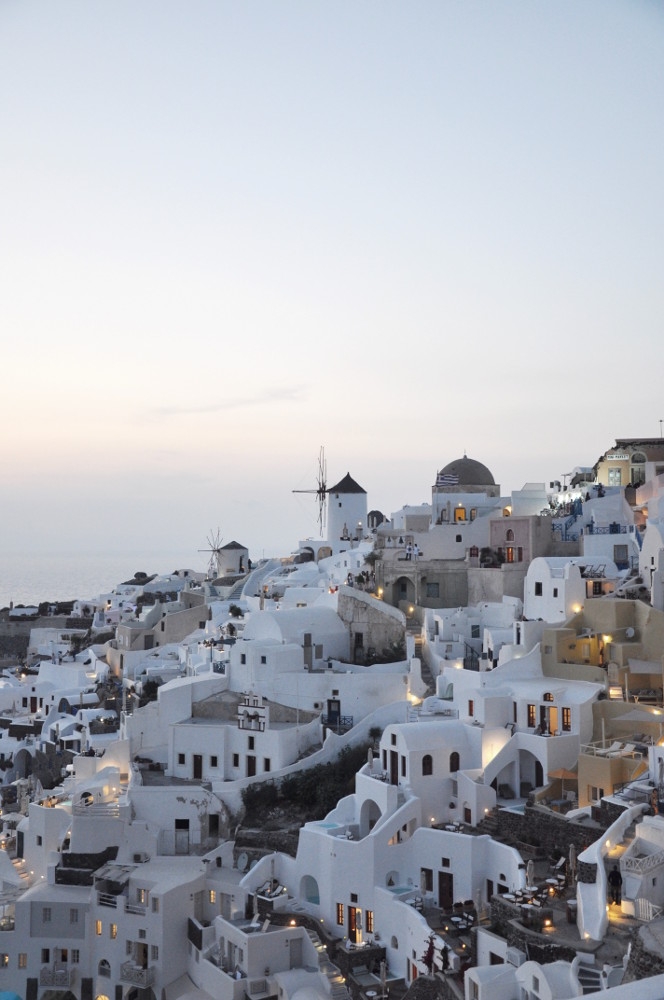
{"x":234,"y":232}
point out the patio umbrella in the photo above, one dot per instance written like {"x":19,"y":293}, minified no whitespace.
{"x":563,"y":775}
{"x":530,"y":872}
{"x":572,"y":860}
{"x":383,"y":978}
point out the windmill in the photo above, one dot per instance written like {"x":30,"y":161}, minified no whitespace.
{"x":320,"y":492}
{"x":214,"y":540}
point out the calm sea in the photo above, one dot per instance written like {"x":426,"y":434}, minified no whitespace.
{"x":31,"y":578}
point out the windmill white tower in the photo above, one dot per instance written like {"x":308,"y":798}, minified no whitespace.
{"x":214,"y":541}
{"x":320,"y":491}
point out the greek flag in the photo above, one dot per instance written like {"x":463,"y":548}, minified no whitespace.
{"x":447,"y":479}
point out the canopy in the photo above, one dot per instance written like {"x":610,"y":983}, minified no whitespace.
{"x":564,"y":775}
{"x":644,"y":666}
{"x":640,"y":715}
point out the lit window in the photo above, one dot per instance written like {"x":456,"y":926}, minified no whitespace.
{"x":212,"y":896}
{"x":141,"y":896}
{"x":532,"y":717}
{"x":98,"y":928}
{"x":4,"y":961}
{"x":113,"y":931}
{"x":340,"y":914}
{"x":369,"y":921}
{"x":23,"y":960}
{"x":567,"y":720}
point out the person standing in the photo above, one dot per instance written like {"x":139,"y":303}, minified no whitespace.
{"x":615,"y":884}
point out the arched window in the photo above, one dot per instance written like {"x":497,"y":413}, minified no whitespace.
{"x":104,"y":968}
{"x":509,"y":537}
{"x":427,"y":764}
{"x":454,"y":762}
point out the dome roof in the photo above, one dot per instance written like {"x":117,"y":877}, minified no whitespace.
{"x":465,"y":472}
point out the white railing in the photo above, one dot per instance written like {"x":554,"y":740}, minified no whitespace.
{"x":645,"y":864}
{"x":645,"y":910}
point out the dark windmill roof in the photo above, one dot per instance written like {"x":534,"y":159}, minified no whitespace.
{"x":346,"y":485}
{"x":233,"y":545}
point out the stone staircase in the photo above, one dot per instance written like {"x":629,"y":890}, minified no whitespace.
{"x":489,"y":824}
{"x":338,"y":988}
{"x":590,"y":978}
{"x":20,"y":866}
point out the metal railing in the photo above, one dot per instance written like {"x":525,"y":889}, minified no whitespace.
{"x":131,"y":973}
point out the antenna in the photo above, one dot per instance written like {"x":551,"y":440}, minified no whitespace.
{"x":320,"y":491}
{"x":214,"y":541}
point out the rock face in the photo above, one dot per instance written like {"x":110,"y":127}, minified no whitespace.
{"x":646,"y":957}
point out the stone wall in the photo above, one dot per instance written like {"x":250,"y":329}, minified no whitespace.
{"x":646,"y":957}
{"x":538,"y":947}
{"x":539,"y":830}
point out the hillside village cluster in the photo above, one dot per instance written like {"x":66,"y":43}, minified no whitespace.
{"x":501,"y":660}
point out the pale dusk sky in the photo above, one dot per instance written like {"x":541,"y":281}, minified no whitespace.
{"x":234,"y":232}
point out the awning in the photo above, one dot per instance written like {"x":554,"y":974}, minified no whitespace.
{"x":644,"y":666}
{"x":184,"y":989}
{"x":640,"y":715}
{"x":564,"y":775}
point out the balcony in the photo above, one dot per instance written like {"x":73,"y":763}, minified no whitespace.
{"x":136,"y":974}
{"x":57,"y":975}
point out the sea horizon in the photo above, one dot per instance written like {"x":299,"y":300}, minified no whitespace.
{"x":28,"y":578}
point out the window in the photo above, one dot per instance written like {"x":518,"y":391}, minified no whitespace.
{"x":214,"y":761}
{"x":426,"y":879}
{"x":46,"y":914}
{"x":243,"y":657}
{"x":427,"y":764}
{"x":615,"y":477}
{"x":393,"y":739}
{"x":433,"y":590}
{"x":567,"y":720}
{"x":454,"y":762}
{"x":181,"y":758}
{"x":340,"y":914}
{"x":251,"y":742}
{"x":532,"y":717}
{"x":538,"y":589}
{"x":45,"y":956}
{"x":212,"y":896}
{"x":509,"y":535}
{"x":113,"y":931}
{"x":39,"y":840}
{"x":4,"y":961}
{"x":23,"y":960}
{"x":98,"y":928}
{"x":141,"y":896}
{"x":263,"y":659}
{"x":555,"y":591}
{"x":142,"y":934}
{"x":548,"y":696}
{"x":154,"y":952}
{"x":594,"y":793}
{"x":620,"y":556}
{"x":458,"y":538}
{"x":474,"y":631}
{"x":471,"y":707}
{"x":73,"y":916}
{"x":75,"y":956}
{"x":444,"y":862}
{"x":403,"y":766}
{"x":129,"y":948}
{"x":267,"y":764}
{"x":236,"y":760}
{"x":514,"y":712}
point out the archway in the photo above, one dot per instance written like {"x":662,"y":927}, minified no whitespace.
{"x":369,"y":816}
{"x":309,"y":889}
